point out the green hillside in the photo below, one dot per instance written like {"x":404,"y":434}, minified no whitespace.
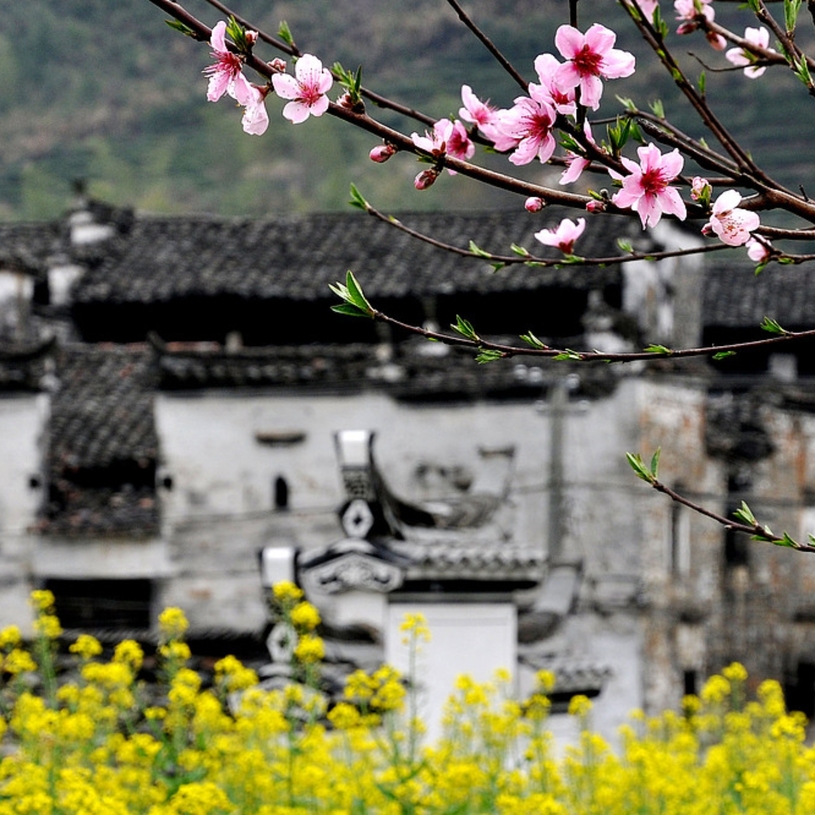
{"x":106,"y":91}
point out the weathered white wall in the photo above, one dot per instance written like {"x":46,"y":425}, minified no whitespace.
{"x":21,"y":422}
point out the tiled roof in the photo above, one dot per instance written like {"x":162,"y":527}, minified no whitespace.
{"x":298,"y":256}
{"x":734,"y":297}
{"x":22,"y":367}
{"x":29,"y":246}
{"x":103,"y":443}
{"x":410,"y":370}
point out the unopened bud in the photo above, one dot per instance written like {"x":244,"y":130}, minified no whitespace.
{"x":534,"y":204}
{"x":278,"y":65}
{"x":596,"y":206}
{"x":426,"y":178}
{"x":382,"y":152}
{"x":700,"y":190}
{"x":251,"y":37}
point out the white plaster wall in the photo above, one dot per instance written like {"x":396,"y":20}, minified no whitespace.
{"x":219,"y":470}
{"x":473,"y":639}
{"x":21,"y":420}
{"x":20,"y":428}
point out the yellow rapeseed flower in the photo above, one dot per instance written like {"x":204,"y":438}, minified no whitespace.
{"x":309,"y":649}
{"x":172,"y":623}
{"x":48,"y":626}
{"x":130,"y":653}
{"x":18,"y":661}
{"x":86,"y":647}
{"x":42,"y":600}
{"x":10,"y":637}
{"x":304,"y":616}
{"x":415,"y":628}
{"x":287,"y":593}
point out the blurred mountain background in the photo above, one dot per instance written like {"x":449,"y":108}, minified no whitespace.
{"x":108,"y":93}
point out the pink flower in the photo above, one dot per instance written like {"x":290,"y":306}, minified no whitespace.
{"x":474,"y":110}
{"x":647,"y":189}
{"x":448,"y":138}
{"x":575,"y":163}
{"x":307,"y":89}
{"x":688,"y":13}
{"x":564,"y":236}
{"x":534,"y":204}
{"x":590,"y":58}
{"x":226,"y":76}
{"x":759,"y":37}
{"x":728,"y":222}
{"x":758,"y":251}
{"x":255,"y":118}
{"x":526,"y":126}
{"x":562,"y":101}
{"x":648,"y":7}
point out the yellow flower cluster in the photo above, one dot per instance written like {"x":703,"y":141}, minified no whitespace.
{"x":94,"y":747}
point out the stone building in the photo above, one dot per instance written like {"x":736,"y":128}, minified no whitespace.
{"x":172,"y":391}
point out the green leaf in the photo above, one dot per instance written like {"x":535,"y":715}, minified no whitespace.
{"x":702,"y":83}
{"x":477,"y":250}
{"x":657,"y":108}
{"x":519,"y":250}
{"x":658,"y":349}
{"x":627,"y":103}
{"x":351,"y":293}
{"x":745,"y":515}
{"x":638,"y":466}
{"x":791,"y":9}
{"x":568,"y":354}
{"x":724,"y":355}
{"x":530,"y":339}
{"x":786,"y":540}
{"x":355,"y":290}
{"x":465,"y":328}
{"x":625,"y":245}
{"x":655,"y":462}
{"x":488,"y":355}
{"x":357,"y":200}
{"x":349,"y":310}
{"x":184,"y":29}
{"x":284,"y":32}
{"x":772,"y":327}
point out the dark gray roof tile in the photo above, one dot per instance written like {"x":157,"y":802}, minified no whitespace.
{"x":298,"y":256}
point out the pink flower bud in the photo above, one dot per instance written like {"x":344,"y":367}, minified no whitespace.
{"x":251,"y":37}
{"x":278,"y":65}
{"x":757,"y":251}
{"x":426,"y":178}
{"x":381,"y":153}
{"x":700,"y":189}
{"x":595,"y":206}
{"x":534,"y":204}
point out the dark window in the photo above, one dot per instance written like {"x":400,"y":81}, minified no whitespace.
{"x":800,"y":692}
{"x":102,"y":603}
{"x":689,"y":683}
{"x":281,"y":493}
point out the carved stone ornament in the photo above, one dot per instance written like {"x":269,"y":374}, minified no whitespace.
{"x":357,"y":519}
{"x":353,"y":571}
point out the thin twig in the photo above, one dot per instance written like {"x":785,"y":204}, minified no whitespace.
{"x":488,"y":44}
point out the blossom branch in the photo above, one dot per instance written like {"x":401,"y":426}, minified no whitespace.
{"x":745,"y":520}
{"x":655,"y":39}
{"x":526,"y":258}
